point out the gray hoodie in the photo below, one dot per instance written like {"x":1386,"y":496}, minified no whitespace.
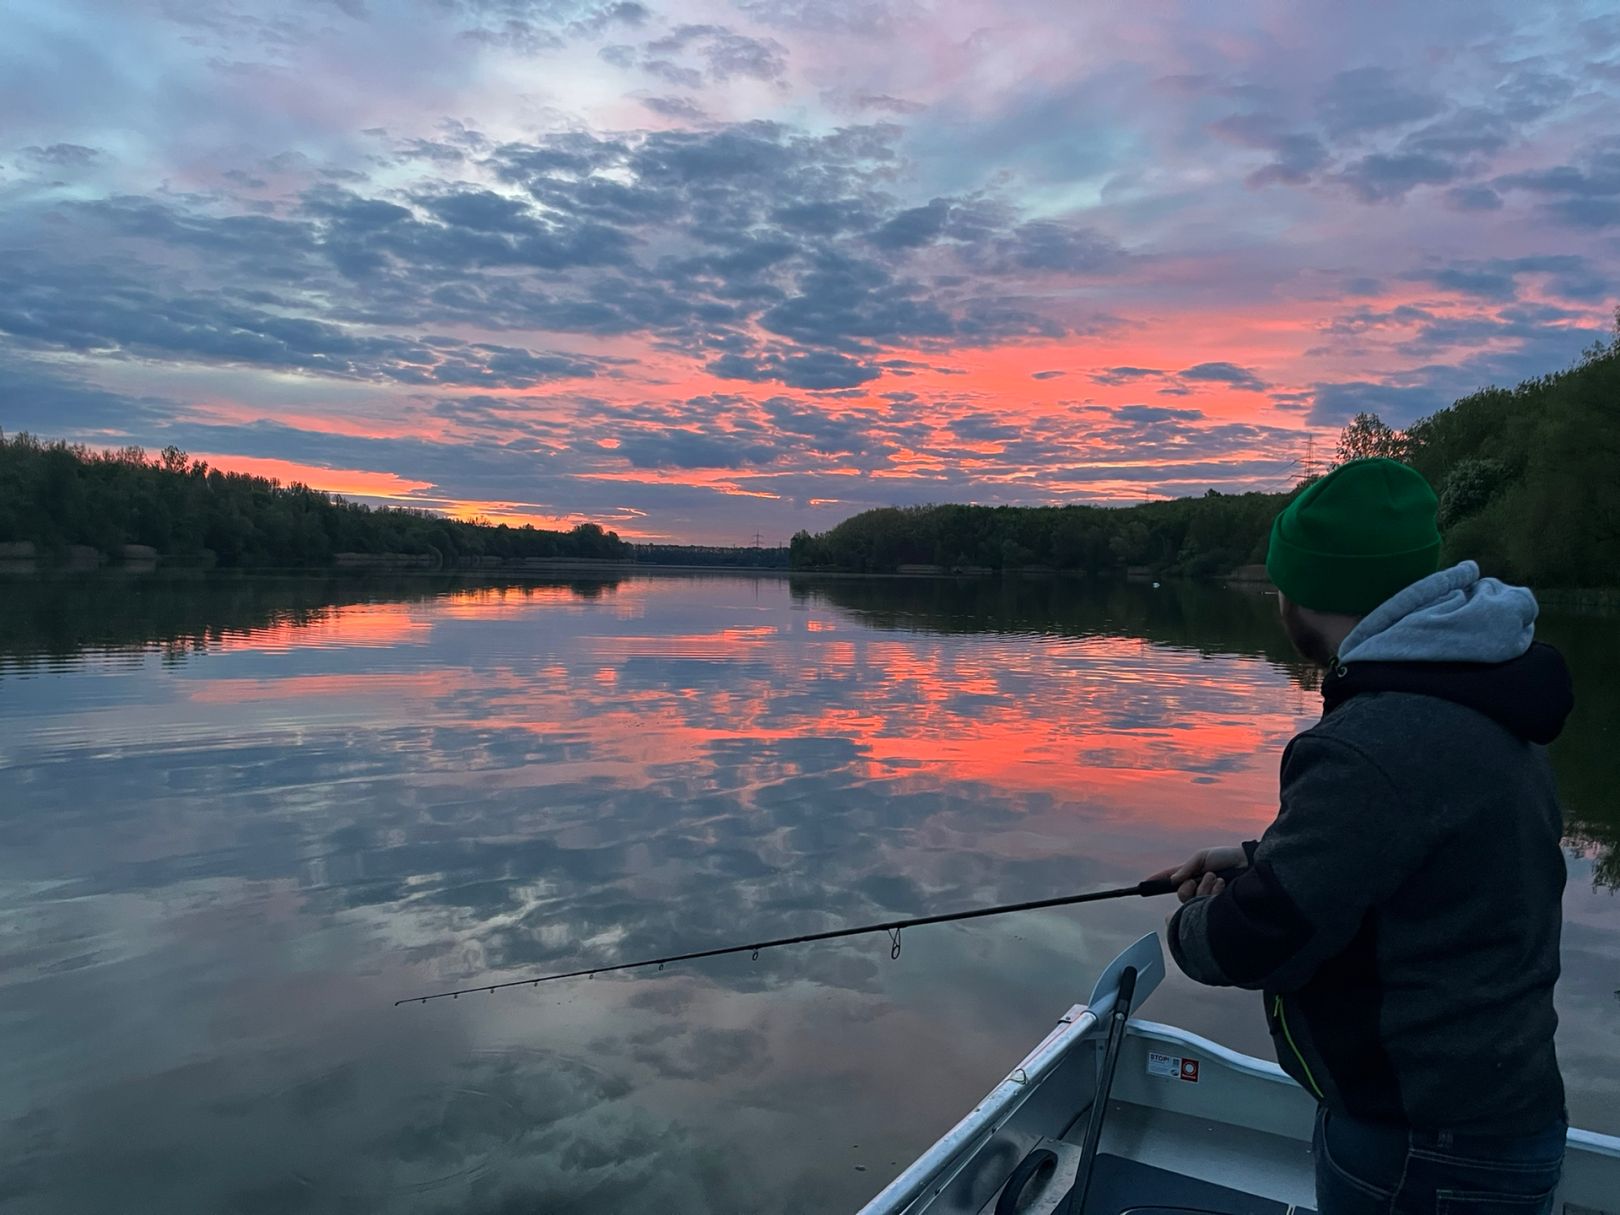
{"x":1451,"y":616}
{"x":1402,"y":913}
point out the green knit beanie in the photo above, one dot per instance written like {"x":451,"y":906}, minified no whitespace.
{"x":1354,"y":538}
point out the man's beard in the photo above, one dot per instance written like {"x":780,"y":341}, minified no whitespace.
{"x":1310,"y":643}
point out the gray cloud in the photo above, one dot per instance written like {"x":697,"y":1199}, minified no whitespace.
{"x":1466,"y":132}
{"x":687,"y":449}
{"x":984,"y":428}
{"x":1417,"y":138}
{"x":727,"y":52}
{"x":1586,"y":212}
{"x":1585,"y":194}
{"x":1529,"y":92}
{"x":1497,"y":278}
{"x":1292,"y":402}
{"x":1224,"y":373}
{"x":1298,"y":154}
{"x":1335,"y":404}
{"x":1369,"y":99}
{"x":914,"y":226}
{"x":1435,"y":154}
{"x":681,"y":230}
{"x":817,"y":369}
{"x":46,"y":305}
{"x":724,"y":54}
{"x":861,"y":18}
{"x":1048,"y":246}
{"x":811,"y":427}
{"x":476,"y":210}
{"x":1504,"y":346}
{"x":676,"y":107}
{"x":535,"y":26}
{"x":1115,"y":376}
{"x":885,"y":103}
{"x":672,"y":73}
{"x":1473,"y":198}
{"x":1180,"y":383}
{"x":41,"y":399}
{"x":513,"y":34}
{"x":63,"y":155}
{"x":1386,"y":177}
{"x":1150,"y":414}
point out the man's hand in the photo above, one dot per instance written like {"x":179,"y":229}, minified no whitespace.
{"x":1196,"y":876}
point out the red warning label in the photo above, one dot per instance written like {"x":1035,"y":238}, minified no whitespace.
{"x":1172,"y":1067}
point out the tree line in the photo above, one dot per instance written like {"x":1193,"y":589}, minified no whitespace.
{"x":1528,"y":480}
{"x":731,"y":557}
{"x":1193,"y":536}
{"x":55,"y":495}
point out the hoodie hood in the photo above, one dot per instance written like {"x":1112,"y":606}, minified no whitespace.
{"x":1450,"y":616}
{"x":1531,"y":695}
{"x":1462,"y":638}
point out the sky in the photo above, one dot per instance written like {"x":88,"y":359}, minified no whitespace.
{"x":702,"y":270}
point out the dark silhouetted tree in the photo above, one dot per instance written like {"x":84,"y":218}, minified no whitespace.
{"x":1368,"y":435}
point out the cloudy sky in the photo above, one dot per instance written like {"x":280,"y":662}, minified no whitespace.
{"x":701,"y":268}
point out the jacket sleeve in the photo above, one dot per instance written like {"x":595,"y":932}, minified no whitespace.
{"x":1344,"y":840}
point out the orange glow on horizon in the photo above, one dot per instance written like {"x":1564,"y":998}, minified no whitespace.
{"x":347,"y":481}
{"x":1204,"y":369}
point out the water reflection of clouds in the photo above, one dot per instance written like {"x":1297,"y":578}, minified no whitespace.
{"x":356,"y":626}
{"x":274,"y":845}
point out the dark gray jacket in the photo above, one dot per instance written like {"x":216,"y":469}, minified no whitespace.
{"x":1402,"y":914}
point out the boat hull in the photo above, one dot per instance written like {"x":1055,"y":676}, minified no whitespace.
{"x":1189,"y":1124}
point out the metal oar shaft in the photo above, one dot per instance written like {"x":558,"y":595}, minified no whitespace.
{"x":1075,"y":1202}
{"x":1144,"y":889}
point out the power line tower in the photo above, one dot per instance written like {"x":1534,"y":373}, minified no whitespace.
{"x":759,"y":539}
{"x":1310,"y":454}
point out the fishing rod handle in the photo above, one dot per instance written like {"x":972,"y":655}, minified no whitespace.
{"x":1157,"y":886}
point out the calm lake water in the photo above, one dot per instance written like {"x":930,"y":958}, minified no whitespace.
{"x":241,"y":817}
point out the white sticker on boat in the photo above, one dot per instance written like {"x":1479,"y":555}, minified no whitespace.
{"x":1172,"y":1067}
{"x":1167,"y":1066}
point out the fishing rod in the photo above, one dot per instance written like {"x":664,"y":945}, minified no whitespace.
{"x":1144,"y":889}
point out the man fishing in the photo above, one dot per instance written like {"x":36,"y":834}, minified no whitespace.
{"x":1402,"y":913}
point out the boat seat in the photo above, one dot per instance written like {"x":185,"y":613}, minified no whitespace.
{"x":1128,"y":1187}
{"x":1120,"y":1186}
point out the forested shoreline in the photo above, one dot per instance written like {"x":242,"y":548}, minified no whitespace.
{"x":63,"y":503}
{"x":59,"y":497}
{"x":1528,"y":480}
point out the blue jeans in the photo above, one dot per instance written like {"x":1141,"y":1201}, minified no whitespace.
{"x":1363,"y":1168}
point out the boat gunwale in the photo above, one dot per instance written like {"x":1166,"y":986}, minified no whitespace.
{"x":945,"y":1158}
